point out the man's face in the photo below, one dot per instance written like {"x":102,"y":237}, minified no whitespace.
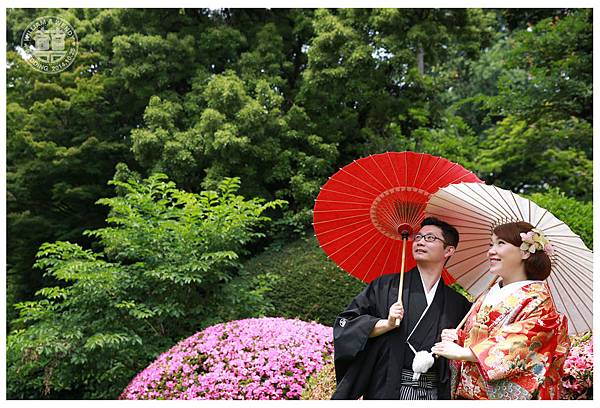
{"x":424,"y":251}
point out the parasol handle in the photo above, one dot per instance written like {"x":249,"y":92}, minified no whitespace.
{"x":404,"y":239}
{"x":463,"y":321}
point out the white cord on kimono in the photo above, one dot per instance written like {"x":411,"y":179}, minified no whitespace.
{"x":423,"y":360}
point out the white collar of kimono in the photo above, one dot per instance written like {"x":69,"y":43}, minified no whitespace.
{"x":431,"y":294}
{"x":497,"y":294}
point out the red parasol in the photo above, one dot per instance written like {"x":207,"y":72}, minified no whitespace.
{"x":361,"y":212}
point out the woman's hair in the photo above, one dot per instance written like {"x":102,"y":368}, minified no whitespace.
{"x":537,"y":266}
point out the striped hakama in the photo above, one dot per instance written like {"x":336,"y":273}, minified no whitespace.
{"x":425,"y":388}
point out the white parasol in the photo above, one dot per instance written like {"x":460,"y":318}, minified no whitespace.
{"x":475,"y":209}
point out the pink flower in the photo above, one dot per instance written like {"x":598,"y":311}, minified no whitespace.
{"x":268,"y":358}
{"x":578,"y":369}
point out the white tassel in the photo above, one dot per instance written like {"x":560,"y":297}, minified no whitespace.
{"x":422,"y":362}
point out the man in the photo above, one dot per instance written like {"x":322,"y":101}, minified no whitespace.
{"x":373,"y":357}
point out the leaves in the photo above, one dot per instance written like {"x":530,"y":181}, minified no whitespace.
{"x":166,"y":256}
{"x":272,"y":101}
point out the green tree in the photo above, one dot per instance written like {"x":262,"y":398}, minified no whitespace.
{"x":576,"y":214}
{"x":543,"y":131}
{"x":166,"y":257}
{"x":66,"y":132}
{"x":63,"y":141}
{"x":282,"y":98}
{"x":374,"y":80}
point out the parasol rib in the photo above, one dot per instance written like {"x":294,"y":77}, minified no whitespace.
{"x":393,"y":168}
{"x":584,"y":302}
{"x":382,"y":172}
{"x":563,"y":264}
{"x":343,"y":227}
{"x":343,"y":236}
{"x":423,"y":180}
{"x":373,"y":263}
{"x":366,"y":203}
{"x":482,"y":205}
{"x":560,"y":272}
{"x":514,"y":197}
{"x":566,"y":310}
{"x":370,"y":175}
{"x":506,"y":212}
{"x":342,"y":218}
{"x":565,"y":244}
{"x":418,"y":171}
{"x":330,"y":190}
{"x":357,"y":250}
{"x":356,"y":188}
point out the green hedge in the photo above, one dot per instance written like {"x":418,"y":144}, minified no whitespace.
{"x":578,"y":215}
{"x":303,"y":282}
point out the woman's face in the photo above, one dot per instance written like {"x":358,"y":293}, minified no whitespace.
{"x":505,"y":258}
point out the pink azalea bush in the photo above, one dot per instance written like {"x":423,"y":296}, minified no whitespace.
{"x":579,"y":369}
{"x":266,"y":358}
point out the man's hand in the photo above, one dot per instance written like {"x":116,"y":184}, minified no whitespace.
{"x":383,"y":325}
{"x":450,"y":335}
{"x":396,"y":312}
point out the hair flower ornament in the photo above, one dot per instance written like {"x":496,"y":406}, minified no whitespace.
{"x":535,"y":240}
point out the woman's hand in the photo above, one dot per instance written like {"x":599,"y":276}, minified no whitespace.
{"x":453,"y":351}
{"x":450,"y":335}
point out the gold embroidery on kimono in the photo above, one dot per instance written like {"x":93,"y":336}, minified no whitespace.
{"x":520,"y":344}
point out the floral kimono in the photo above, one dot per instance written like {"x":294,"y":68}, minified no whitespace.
{"x":520,"y":343}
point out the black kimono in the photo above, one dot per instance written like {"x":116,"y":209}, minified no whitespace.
{"x":371,"y":367}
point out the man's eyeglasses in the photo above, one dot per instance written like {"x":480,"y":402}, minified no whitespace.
{"x":427,"y":237}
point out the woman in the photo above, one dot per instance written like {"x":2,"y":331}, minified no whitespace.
{"x":514,"y":342}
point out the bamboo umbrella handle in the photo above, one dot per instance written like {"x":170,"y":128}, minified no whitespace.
{"x":401,"y":275}
{"x":464,"y":319}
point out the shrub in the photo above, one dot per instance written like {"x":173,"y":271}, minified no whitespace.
{"x":299,"y":281}
{"x":321,"y":386}
{"x":304,"y":283}
{"x":165,"y":258}
{"x":266,"y":358}
{"x":579,"y":369}
{"x":578,"y":215}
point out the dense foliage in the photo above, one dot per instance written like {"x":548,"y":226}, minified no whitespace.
{"x":301,"y":282}
{"x":257,"y":359}
{"x":280,"y":99}
{"x":165,"y":260}
{"x":205,"y":94}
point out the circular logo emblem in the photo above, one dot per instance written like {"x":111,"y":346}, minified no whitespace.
{"x":49,"y":44}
